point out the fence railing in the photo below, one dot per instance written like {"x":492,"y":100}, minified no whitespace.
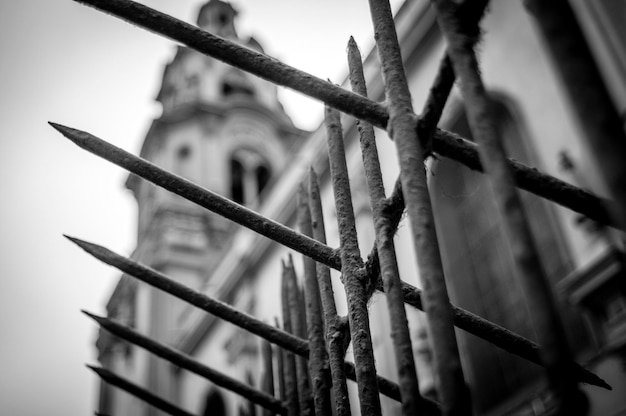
{"x":322,"y":337}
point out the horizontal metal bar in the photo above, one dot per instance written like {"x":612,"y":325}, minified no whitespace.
{"x":445,"y":143}
{"x":139,"y":392}
{"x":186,"y":362}
{"x":215,"y":307}
{"x":468,"y":321}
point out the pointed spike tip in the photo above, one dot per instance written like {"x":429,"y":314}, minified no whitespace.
{"x":87,"y":246}
{"x":91,"y":315}
{"x":64,"y":130}
{"x":352,"y":43}
{"x":57,"y":126}
{"x":73,"y":239}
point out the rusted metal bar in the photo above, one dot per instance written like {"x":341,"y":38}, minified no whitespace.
{"x":333,"y":329}
{"x":443,"y":83}
{"x":554,"y":352}
{"x":197,"y":299}
{"x":188,"y":363}
{"x":273,"y":70}
{"x":229,"y":52}
{"x":267,"y":362}
{"x":352,"y":269}
{"x":139,"y":392}
{"x":202,"y":196}
{"x":215,"y":307}
{"x":589,"y":97}
{"x":289,"y":370}
{"x":452,"y":391}
{"x":435,"y":103}
{"x":294,"y":304}
{"x":399,"y":326}
{"x":470,"y":322}
{"x":318,"y":357}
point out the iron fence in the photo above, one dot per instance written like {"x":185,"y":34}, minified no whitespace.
{"x":321,"y":340}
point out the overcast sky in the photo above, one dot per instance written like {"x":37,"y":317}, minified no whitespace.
{"x":67,"y":63}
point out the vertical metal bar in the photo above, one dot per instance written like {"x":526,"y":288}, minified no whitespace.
{"x":589,"y":97}
{"x":280,"y":362}
{"x":555,"y":351}
{"x":334,"y":337}
{"x":289,"y":360}
{"x":302,"y":374}
{"x":318,"y":357}
{"x":399,"y":326}
{"x":352,"y":271}
{"x":268,"y":372}
{"x":453,"y":394}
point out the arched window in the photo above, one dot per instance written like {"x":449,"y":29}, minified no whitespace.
{"x":214,"y":404}
{"x":479,"y":265}
{"x":249,"y":175}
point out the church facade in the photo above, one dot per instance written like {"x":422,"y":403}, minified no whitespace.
{"x":227,"y":131}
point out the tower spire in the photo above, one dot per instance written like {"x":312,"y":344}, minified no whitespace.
{"x":218,"y":17}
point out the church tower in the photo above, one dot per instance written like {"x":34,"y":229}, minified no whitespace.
{"x":225,"y":130}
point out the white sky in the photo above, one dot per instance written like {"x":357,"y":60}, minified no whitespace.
{"x":64,"y":62}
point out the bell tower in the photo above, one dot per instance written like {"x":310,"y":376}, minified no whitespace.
{"x":224,"y":130}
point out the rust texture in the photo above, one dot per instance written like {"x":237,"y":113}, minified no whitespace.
{"x":318,"y":357}
{"x":268,"y":373}
{"x":186,"y":362}
{"x":554,"y":352}
{"x":352,"y":269}
{"x":478,"y":326}
{"x":139,"y":392}
{"x":589,"y":97}
{"x":298,"y":326}
{"x":334,"y":337}
{"x":385,"y":230}
{"x":289,"y":360}
{"x":277,"y":72}
{"x":443,"y":83}
{"x":452,"y":392}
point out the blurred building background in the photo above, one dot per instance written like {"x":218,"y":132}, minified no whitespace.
{"x":226,"y":130}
